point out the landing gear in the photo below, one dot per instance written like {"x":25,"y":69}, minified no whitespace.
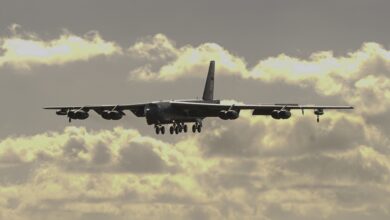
{"x":197,"y":127}
{"x":159,"y":129}
{"x":177,"y":128}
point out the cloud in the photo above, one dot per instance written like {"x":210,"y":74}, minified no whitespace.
{"x":27,"y":50}
{"x":305,"y":173}
{"x":251,"y":168}
{"x":184,"y":61}
{"x":154,"y":48}
{"x":91,"y":173}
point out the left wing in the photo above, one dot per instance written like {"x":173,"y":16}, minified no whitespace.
{"x":277,"y":111}
{"x":259,"y":107}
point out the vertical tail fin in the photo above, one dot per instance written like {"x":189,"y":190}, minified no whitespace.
{"x":208,"y":93}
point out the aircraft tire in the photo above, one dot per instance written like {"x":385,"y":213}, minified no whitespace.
{"x":185,"y":128}
{"x":199,"y":128}
{"x":162,"y":129}
{"x":177,"y":130}
{"x":193,"y":128}
{"x":171,"y":129}
{"x":157,"y":130}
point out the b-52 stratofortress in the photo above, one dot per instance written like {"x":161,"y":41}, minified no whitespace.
{"x":178,"y":113}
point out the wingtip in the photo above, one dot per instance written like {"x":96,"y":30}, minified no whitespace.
{"x":50,"y":107}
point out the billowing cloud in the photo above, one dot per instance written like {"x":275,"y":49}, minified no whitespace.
{"x":184,"y":61}
{"x":273,"y":170}
{"x":22,"y":51}
{"x":154,"y":48}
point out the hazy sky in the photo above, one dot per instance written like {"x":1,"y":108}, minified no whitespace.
{"x":119,"y":52}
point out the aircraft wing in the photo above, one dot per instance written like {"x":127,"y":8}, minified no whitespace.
{"x":259,"y":109}
{"x":137,"y":109}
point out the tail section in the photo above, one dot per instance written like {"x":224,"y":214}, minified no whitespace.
{"x":208,"y":93}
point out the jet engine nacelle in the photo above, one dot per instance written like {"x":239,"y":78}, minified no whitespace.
{"x":284,"y":114}
{"x":112,"y":115}
{"x":228,"y":115}
{"x":78,"y":114}
{"x":115,"y":115}
{"x":281,"y":114}
{"x":318,"y":112}
{"x":275,"y":114}
{"x":222,"y":115}
{"x":62,"y":112}
{"x":232,"y":114}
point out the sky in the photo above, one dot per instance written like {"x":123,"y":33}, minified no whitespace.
{"x":121,"y":52}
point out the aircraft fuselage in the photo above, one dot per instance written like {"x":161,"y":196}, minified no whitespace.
{"x":162,"y":112}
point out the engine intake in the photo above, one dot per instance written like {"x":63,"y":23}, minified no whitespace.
{"x":62,"y":112}
{"x":228,"y":115}
{"x":319,"y":111}
{"x":281,"y":114}
{"x":78,"y":114}
{"x":112,"y":115}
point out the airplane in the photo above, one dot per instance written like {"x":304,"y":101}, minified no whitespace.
{"x":178,"y":113}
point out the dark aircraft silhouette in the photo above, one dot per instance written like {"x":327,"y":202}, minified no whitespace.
{"x":177,"y":113}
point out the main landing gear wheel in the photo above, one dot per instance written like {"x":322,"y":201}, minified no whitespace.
{"x":160,"y":129}
{"x":196,"y":128}
{"x":177,"y":128}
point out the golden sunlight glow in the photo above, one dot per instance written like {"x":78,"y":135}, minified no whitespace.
{"x":23,"y":52}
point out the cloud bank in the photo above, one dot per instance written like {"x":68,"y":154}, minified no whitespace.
{"x":22,"y":51}
{"x":296,"y":169}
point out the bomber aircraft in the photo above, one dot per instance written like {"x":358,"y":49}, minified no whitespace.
{"x":178,"y":113}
